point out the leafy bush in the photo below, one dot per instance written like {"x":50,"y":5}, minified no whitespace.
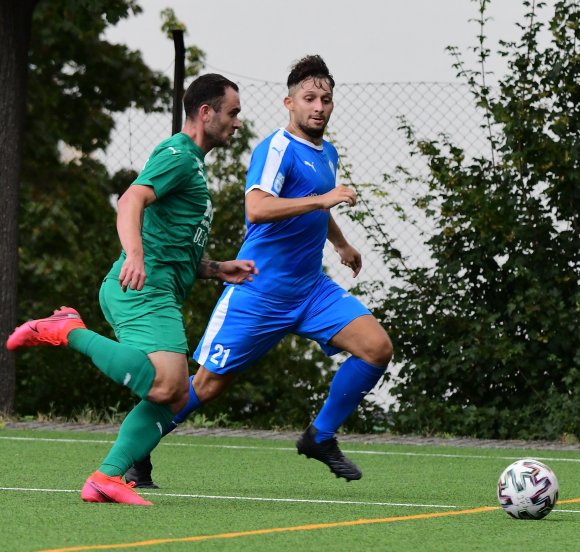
{"x":486,"y":331}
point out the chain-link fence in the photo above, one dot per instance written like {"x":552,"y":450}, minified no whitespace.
{"x":365,"y":126}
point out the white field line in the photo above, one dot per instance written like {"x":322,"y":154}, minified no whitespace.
{"x":250,"y":498}
{"x":169,"y":443}
{"x":268,"y":499}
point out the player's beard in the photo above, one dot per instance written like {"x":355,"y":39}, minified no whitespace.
{"x":315,"y":133}
{"x":219,"y":140}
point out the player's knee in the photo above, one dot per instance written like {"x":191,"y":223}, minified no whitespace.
{"x":168,"y":392}
{"x":161,"y":395}
{"x":380,"y":350}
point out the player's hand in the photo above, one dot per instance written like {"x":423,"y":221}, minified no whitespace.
{"x":340,"y":194}
{"x":132,"y":273}
{"x":236,"y":272}
{"x":350,"y":257}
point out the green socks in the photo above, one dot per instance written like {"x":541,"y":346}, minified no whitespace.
{"x":143,"y":427}
{"x":123,"y":364}
{"x":139,"y":434}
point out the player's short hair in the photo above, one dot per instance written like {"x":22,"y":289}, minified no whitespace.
{"x":208,"y":89}
{"x":309,"y":67}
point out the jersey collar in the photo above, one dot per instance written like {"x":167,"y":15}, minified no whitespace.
{"x":303,"y":141}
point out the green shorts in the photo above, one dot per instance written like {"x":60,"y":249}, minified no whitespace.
{"x":149,"y":319}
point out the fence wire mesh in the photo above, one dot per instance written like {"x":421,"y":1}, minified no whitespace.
{"x":365,"y":126}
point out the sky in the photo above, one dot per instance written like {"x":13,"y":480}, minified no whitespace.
{"x":361,"y":40}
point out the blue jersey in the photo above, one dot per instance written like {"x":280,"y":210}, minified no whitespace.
{"x":289,"y":252}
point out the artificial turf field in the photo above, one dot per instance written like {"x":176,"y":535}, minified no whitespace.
{"x":248,"y":494}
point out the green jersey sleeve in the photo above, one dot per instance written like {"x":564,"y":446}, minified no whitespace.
{"x":166,"y":171}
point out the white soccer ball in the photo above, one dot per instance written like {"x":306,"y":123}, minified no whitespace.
{"x":528,"y":489}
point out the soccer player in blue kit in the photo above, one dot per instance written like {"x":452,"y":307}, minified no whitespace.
{"x":290,"y":189}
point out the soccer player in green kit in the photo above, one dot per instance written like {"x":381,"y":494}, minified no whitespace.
{"x":163,"y":224}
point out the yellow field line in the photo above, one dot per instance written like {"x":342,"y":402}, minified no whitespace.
{"x":275,"y":530}
{"x":288,"y":529}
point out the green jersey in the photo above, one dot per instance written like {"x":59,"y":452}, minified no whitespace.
{"x":176,"y":226}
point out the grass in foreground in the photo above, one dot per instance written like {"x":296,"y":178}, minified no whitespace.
{"x":273,"y":498}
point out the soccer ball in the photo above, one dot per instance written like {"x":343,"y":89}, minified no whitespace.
{"x":527,"y":489}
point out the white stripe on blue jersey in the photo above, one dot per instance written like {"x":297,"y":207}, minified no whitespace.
{"x":269,"y":182}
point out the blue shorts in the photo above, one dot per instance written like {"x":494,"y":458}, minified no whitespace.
{"x":244,"y":325}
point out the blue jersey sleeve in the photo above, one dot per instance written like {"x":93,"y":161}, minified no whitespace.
{"x":270,"y":164}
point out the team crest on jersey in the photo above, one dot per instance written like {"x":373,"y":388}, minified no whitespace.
{"x":278,"y":182}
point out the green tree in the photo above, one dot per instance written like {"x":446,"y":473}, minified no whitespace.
{"x":486,"y":332}
{"x":77,"y":81}
{"x":68,"y":224}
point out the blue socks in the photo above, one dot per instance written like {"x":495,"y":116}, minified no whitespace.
{"x":193,"y":403}
{"x":351,"y":383}
{"x":354,"y":379}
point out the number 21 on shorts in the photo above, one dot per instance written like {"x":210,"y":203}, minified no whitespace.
{"x":220,"y":356}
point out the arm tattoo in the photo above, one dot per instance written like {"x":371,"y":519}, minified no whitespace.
{"x":207,"y":268}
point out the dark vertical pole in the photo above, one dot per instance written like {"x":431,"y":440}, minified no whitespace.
{"x":15,"y":33}
{"x":178,"y":78}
